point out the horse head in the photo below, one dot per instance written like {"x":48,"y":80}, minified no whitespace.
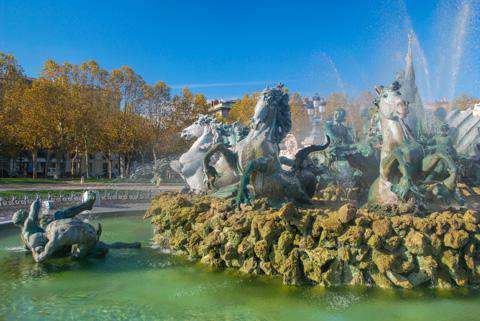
{"x":197,"y":128}
{"x":272,"y":112}
{"x":390,"y":103}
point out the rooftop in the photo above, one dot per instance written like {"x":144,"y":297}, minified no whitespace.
{"x":221,"y":105}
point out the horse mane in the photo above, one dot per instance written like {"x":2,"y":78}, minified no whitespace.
{"x":205,"y":119}
{"x":384,"y":91}
{"x":277,"y":99}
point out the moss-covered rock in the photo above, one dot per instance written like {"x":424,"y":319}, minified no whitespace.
{"x":345,"y":214}
{"x":382,"y":227}
{"x":416,"y":243}
{"x":455,"y":239}
{"x":348,"y":246}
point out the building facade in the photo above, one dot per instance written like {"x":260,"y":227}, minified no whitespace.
{"x":221,"y":108}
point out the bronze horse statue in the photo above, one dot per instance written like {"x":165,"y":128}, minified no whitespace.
{"x":255,"y":159}
{"x":405,"y":167}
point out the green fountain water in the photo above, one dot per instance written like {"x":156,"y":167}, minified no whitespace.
{"x":147,"y":284}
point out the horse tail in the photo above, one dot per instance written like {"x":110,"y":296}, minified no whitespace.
{"x":303,"y":153}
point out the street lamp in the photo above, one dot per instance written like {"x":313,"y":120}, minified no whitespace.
{"x":310,"y":107}
{"x":319,"y":104}
{"x":315,"y":111}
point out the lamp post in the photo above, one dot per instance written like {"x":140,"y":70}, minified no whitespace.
{"x":315,"y":111}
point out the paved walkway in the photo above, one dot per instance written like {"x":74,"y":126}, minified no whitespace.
{"x":96,"y":186}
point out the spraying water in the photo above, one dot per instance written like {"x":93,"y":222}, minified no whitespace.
{"x":417,"y":47}
{"x":422,"y":63}
{"x":336,"y":73}
{"x":458,"y":44}
{"x":452,"y":56}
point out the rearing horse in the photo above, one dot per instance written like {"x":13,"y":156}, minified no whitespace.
{"x":255,"y":159}
{"x":403,"y":163}
{"x":189,"y":165}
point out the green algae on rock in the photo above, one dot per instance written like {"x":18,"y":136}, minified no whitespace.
{"x":347,"y":246}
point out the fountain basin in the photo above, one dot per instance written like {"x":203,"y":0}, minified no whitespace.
{"x":149,"y":284}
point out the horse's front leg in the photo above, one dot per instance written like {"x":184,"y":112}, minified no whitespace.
{"x":255,"y":165}
{"x":405,"y":183}
{"x":386,"y":167}
{"x":210,"y":171}
{"x":406,"y":186}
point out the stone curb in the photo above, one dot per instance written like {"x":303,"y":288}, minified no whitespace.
{"x":8,"y":225}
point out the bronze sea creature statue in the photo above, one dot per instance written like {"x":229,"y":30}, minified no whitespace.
{"x":62,"y":234}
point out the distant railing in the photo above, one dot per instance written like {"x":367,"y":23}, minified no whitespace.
{"x":103,"y":195}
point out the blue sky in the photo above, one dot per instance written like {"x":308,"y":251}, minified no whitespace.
{"x":226,"y":48}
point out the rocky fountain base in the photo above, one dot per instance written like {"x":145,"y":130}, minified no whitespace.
{"x":347,"y":246}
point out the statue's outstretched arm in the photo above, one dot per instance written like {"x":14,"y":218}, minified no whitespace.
{"x":86,"y":205}
{"x":31,"y":223}
{"x":49,"y":250}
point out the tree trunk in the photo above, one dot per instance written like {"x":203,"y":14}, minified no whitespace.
{"x":11,"y":170}
{"x":74,"y":166}
{"x":87,"y":165}
{"x":57,"y":165}
{"x":122,"y":166}
{"x":119,"y":165}
{"x":155,"y":173}
{"x":62,"y":164}
{"x":34,"y":164}
{"x":109,"y":160}
{"x":110,"y":165}
{"x":79,"y":168}
{"x":127,"y":166}
{"x":47,"y":162}
{"x":23,"y":167}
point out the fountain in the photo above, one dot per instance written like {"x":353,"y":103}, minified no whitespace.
{"x":412,"y":223}
{"x":270,"y":223}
